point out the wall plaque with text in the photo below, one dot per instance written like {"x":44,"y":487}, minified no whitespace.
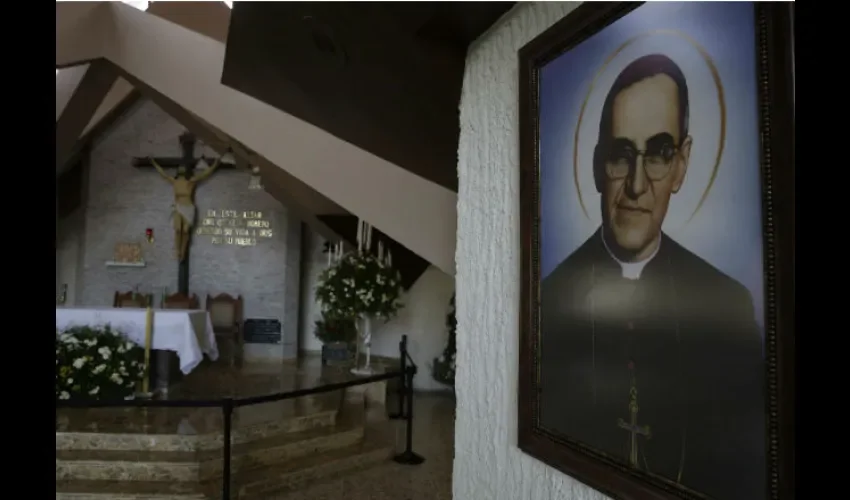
{"x":235,"y":227}
{"x":262,"y":331}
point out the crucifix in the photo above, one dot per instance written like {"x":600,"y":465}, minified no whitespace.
{"x":632,"y":426}
{"x":183,"y":209}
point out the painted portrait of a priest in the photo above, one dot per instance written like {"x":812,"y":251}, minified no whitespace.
{"x":649,"y":353}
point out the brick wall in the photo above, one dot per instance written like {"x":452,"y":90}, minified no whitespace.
{"x":123,"y":201}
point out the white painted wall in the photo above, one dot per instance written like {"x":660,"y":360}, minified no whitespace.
{"x":487,"y":462}
{"x":423,"y":317}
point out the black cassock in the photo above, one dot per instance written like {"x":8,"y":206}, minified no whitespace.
{"x":684,"y":335}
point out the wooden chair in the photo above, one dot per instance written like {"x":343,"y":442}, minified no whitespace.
{"x":180,"y":301}
{"x":131,"y":299}
{"x":226,"y":317}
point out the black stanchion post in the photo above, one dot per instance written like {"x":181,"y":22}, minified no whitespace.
{"x":408,"y":457}
{"x":402,"y":349}
{"x":227,"y":410}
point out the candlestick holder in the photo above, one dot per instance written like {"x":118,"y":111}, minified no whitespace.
{"x":365,"y":337}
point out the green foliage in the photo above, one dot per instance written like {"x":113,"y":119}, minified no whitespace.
{"x":96,"y":363}
{"x":330,"y":329}
{"x":444,"y":366}
{"x":357,"y":285}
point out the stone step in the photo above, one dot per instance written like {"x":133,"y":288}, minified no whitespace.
{"x":121,"y":490}
{"x":255,"y":483}
{"x":262,"y":482}
{"x":187,"y":466}
{"x":176,"y":430}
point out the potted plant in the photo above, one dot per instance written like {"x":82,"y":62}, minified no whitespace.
{"x":360,"y":286}
{"x":336,"y":334}
{"x":94,"y":363}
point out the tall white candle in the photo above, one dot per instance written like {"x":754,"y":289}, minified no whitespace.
{"x":368,"y":236}
{"x":330,"y":251}
{"x":380,"y":250}
{"x":359,"y":234}
{"x":389,"y":259}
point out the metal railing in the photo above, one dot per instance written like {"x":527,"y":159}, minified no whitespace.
{"x":405,"y":374}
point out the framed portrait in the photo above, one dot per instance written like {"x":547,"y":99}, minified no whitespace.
{"x":657,"y":202}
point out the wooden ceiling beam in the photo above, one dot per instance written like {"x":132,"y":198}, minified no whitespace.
{"x":94,"y":86}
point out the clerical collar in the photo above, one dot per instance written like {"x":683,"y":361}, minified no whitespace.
{"x":631,"y":270}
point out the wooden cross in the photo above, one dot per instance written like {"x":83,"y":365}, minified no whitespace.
{"x":188,"y":162}
{"x":632,"y":426}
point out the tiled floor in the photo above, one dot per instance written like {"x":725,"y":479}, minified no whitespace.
{"x":433,"y":439}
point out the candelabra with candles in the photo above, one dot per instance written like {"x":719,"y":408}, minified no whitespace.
{"x":335,"y":255}
{"x":364,"y":244}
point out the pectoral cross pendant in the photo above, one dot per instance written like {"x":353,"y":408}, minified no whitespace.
{"x":632,"y":426}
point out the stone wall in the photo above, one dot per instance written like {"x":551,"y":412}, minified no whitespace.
{"x":122,"y":202}
{"x":487,"y":462}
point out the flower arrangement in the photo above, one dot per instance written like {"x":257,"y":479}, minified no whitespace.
{"x":96,"y":363}
{"x":444,"y":367}
{"x":359,"y":284}
{"x":330,"y":329}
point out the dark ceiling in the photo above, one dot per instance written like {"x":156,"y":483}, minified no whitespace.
{"x":385,"y":77}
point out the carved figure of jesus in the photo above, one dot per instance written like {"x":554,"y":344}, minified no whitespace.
{"x":183,"y":209}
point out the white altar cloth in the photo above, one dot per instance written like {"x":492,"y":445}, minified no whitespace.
{"x":188,"y":333}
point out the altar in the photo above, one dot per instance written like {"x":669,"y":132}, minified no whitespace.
{"x":188,"y":333}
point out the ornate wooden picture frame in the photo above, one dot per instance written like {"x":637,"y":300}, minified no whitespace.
{"x":657,"y":267}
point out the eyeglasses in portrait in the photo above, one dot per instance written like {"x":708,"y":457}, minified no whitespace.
{"x":656,"y":149}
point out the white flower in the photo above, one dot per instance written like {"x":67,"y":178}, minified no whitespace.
{"x":99,"y":369}
{"x":104,"y":352}
{"x":64,"y":395}
{"x":70,"y":381}
{"x":90,"y":342}
{"x":128,"y":345}
{"x":94,"y":391}
{"x":79,"y":362}
{"x":116,"y":378}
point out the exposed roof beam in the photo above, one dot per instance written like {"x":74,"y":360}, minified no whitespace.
{"x":81,"y":107}
{"x":186,"y":67}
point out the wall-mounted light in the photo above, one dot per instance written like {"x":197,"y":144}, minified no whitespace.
{"x":137,"y":5}
{"x":256,"y":181}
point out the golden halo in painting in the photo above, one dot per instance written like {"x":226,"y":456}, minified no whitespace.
{"x":707,"y":119}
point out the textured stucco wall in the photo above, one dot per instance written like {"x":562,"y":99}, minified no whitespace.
{"x":123,"y":201}
{"x":488,"y":463}
{"x":423,"y":317}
